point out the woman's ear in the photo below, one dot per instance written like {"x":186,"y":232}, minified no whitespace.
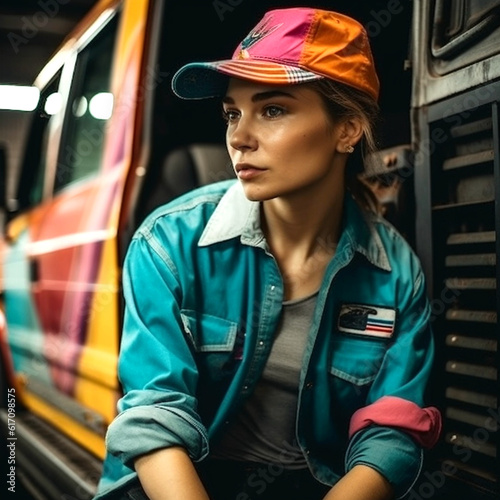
{"x":350,"y":133}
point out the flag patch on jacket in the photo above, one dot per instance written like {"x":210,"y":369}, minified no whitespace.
{"x":361,"y":319}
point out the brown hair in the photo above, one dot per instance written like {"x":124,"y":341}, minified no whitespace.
{"x":343,"y":102}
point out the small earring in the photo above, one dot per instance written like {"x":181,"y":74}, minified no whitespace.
{"x":349,"y":149}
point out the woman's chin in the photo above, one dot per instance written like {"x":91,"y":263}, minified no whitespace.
{"x":257,"y":193}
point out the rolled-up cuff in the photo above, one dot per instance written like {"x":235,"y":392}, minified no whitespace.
{"x":422,"y":424}
{"x":392,"y":453}
{"x":143,"y":429}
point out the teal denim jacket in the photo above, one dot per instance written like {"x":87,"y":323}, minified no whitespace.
{"x":203,"y":300}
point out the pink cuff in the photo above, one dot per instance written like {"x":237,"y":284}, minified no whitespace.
{"x":422,"y":424}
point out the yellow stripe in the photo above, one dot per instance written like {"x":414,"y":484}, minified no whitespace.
{"x":83,"y":436}
{"x":97,"y":383}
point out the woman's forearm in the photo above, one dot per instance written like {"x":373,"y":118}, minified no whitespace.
{"x":169,"y":474}
{"x":361,"y":483}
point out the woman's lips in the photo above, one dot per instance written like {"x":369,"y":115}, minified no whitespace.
{"x":247,"y":171}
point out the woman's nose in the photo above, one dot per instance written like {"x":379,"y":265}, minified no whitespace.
{"x":241,"y":135}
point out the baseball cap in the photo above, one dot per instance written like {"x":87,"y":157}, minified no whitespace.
{"x":289,"y":46}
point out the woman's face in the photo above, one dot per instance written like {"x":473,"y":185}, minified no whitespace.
{"x":281,"y":141}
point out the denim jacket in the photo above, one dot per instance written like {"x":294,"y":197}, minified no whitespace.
{"x":203,"y":300}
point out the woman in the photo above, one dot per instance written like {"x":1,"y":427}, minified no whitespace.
{"x":276,"y":339}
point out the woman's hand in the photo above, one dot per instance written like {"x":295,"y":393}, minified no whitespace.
{"x":169,"y":474}
{"x":361,"y":483}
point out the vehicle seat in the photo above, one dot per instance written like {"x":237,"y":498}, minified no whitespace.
{"x":187,"y":168}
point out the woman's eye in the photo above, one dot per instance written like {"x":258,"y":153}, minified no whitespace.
{"x":273,"y":111}
{"x":229,"y":115}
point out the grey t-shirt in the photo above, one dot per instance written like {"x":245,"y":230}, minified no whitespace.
{"x":264,"y":430}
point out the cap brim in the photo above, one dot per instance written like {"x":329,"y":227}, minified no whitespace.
{"x":210,"y":79}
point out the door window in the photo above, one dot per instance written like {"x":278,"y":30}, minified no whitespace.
{"x":463,"y":32}
{"x":47,"y":113}
{"x":90,"y":107}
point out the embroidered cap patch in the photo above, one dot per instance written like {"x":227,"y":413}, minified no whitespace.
{"x":362,"y":319}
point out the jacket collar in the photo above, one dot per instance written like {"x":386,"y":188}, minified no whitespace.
{"x":238,"y":217}
{"x":361,"y":234}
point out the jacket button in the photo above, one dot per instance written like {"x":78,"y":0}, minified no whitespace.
{"x":309,"y":385}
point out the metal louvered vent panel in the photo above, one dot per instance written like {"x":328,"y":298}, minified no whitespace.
{"x":465,"y":283}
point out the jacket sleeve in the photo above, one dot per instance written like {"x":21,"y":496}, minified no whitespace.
{"x":156,"y":366}
{"x":390,"y":432}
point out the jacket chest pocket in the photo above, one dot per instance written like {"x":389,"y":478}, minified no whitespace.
{"x":214,"y":342}
{"x":354,"y":364}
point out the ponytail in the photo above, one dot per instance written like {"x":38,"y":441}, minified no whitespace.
{"x":343,"y":102}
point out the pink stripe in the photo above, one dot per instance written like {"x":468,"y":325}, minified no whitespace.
{"x":422,"y":424}
{"x":379,"y":328}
